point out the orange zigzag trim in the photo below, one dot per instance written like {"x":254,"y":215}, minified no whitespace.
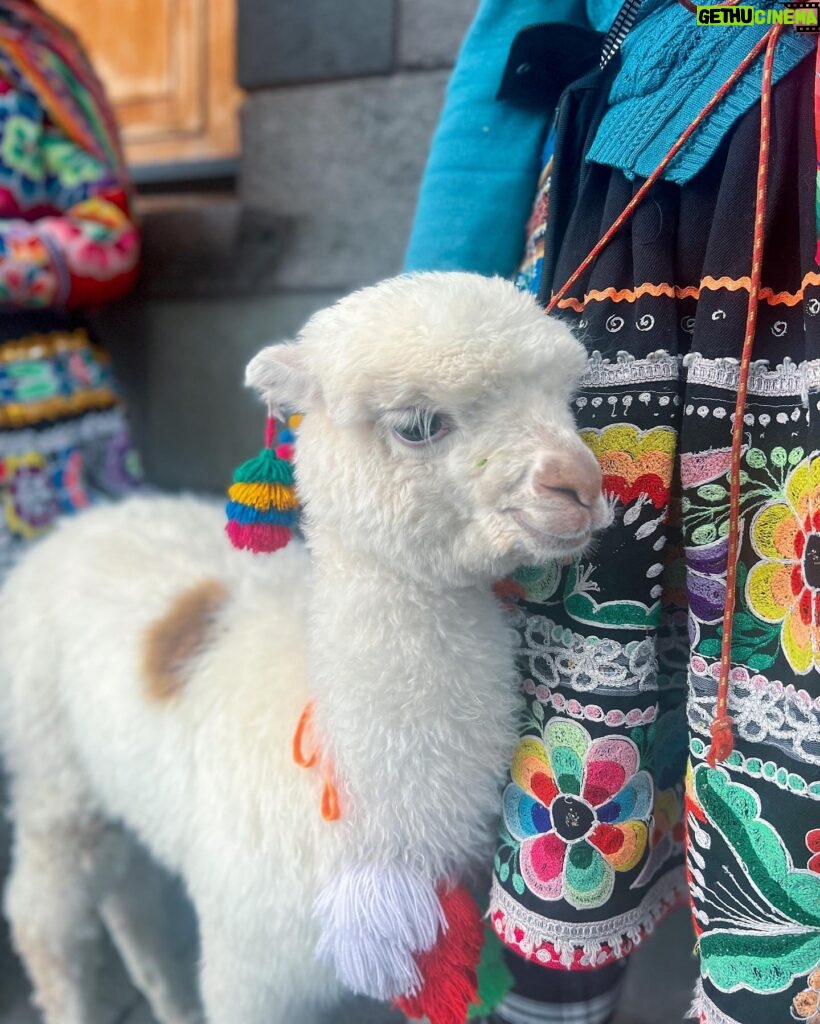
{"x":711,"y":284}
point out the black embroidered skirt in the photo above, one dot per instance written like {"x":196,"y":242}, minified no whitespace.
{"x":619,"y":651}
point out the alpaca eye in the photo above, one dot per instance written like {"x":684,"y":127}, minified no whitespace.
{"x":422,"y":427}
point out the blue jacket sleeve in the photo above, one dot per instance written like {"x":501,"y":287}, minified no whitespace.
{"x":483,"y":166}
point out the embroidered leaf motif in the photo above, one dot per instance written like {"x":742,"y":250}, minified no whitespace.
{"x":776,"y":935}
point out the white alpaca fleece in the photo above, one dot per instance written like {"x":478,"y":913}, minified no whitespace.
{"x":437,"y":452}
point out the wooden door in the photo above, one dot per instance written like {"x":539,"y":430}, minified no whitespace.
{"x":169,"y":67}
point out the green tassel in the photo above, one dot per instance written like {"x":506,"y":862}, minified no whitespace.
{"x":494,"y":977}
{"x":265,"y":468}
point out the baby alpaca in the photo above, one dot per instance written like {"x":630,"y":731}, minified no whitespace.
{"x":154,"y":677}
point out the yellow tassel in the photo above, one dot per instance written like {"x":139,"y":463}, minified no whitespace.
{"x":264,"y":496}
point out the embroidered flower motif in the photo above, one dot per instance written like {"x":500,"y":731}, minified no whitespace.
{"x":806,"y":1004}
{"x":636,"y":463}
{"x":579,"y":808}
{"x":784,"y":587}
{"x":813,"y":846}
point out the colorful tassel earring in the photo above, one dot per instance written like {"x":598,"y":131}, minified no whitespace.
{"x":262,"y":502}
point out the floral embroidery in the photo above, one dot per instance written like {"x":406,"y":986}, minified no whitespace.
{"x":635,"y":462}
{"x":579,"y":808}
{"x":806,"y":1004}
{"x":98,"y":239}
{"x":813,"y":846}
{"x":783,"y":586}
{"x":758,"y":923}
{"x":22,"y":171}
{"x":70,"y":166}
{"x":706,"y":580}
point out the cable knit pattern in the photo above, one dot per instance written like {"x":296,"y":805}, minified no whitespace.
{"x":671,"y":69}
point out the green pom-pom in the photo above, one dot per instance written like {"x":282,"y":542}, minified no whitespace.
{"x":495,"y":979}
{"x":266,"y":468}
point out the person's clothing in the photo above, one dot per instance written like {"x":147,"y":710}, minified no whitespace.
{"x":590,"y":852}
{"x":560,"y":997}
{"x":67,"y":242}
{"x":483,"y":165}
{"x":66,"y":237}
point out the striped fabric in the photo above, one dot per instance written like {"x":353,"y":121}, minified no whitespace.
{"x":597,"y":1010}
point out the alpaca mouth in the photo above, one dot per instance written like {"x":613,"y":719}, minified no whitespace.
{"x":557,"y":544}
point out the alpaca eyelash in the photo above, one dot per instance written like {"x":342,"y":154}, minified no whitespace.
{"x":419,"y":426}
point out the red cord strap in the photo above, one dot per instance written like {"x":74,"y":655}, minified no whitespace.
{"x":722,"y":739}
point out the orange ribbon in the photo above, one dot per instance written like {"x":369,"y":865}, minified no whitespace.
{"x":330,"y":796}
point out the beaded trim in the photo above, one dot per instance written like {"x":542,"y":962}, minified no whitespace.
{"x":756,"y":768}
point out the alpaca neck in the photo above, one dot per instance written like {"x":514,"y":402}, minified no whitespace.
{"x":414,"y":704}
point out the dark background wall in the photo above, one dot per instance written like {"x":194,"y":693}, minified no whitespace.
{"x":342,"y":99}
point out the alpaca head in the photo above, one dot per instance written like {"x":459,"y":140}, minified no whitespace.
{"x":438,"y":435}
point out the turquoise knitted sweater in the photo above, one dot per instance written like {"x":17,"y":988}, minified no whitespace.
{"x":484,"y":162}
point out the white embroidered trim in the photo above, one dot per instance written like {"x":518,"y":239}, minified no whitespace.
{"x":89,"y":427}
{"x":557,"y":656}
{"x":567,"y":936}
{"x":705,"y":1011}
{"x":786,"y":379}
{"x":764,"y":710}
{"x":626,"y":369}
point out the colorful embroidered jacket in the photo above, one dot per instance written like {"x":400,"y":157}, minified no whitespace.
{"x":66,"y":236}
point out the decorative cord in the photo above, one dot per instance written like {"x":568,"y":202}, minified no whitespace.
{"x":721,"y":729}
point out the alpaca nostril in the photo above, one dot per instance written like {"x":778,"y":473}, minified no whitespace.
{"x":568,"y":492}
{"x":574,"y":475}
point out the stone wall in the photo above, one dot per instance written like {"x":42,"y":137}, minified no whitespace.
{"x":342,"y":99}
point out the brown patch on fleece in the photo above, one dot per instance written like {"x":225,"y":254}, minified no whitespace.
{"x":182,"y":633}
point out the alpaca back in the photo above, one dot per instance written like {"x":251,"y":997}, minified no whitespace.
{"x":75,"y":676}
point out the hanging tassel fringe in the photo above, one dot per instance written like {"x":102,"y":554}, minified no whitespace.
{"x":448,"y":970}
{"x":261,"y":506}
{"x":373,"y":919}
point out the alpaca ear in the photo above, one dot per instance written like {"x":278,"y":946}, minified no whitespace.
{"x":281,"y":376}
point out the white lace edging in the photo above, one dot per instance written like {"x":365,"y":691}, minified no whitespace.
{"x":568,"y":936}
{"x":786,"y":379}
{"x":627,"y":369}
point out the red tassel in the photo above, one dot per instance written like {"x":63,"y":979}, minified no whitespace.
{"x":723,"y":740}
{"x":448,"y":970}
{"x":259,"y":537}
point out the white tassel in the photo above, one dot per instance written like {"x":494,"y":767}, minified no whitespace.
{"x":373,"y":918}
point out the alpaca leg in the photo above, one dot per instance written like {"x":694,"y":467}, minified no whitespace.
{"x":135,"y":914}
{"x":50,"y":905}
{"x":273,"y":989}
